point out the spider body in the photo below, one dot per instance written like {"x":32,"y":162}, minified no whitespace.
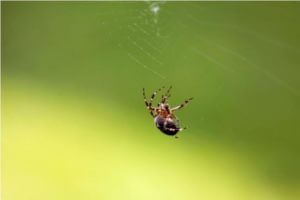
{"x":163,"y":115}
{"x":168,"y":126}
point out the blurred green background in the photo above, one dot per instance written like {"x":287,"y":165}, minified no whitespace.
{"x":74,"y":124}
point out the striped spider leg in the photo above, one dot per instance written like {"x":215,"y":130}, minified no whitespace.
{"x":164,"y":98}
{"x":181,"y":105}
{"x":149,"y":104}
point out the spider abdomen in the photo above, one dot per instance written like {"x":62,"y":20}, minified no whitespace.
{"x":167,"y":125}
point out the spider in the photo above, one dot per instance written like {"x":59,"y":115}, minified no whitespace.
{"x":163,"y":115}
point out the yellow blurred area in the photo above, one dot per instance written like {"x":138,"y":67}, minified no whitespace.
{"x":56,"y":148}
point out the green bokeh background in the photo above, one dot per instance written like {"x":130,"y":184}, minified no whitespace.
{"x":74,"y":124}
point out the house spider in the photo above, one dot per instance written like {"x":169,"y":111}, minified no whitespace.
{"x":163,"y":115}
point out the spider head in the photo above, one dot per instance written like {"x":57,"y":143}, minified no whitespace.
{"x":163,"y":109}
{"x":163,"y":106}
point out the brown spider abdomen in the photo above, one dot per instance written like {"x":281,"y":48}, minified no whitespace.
{"x":168,"y":126}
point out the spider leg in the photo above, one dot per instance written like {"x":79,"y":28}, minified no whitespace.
{"x":149,"y":107}
{"x":181,"y":129}
{"x":145,"y":99}
{"x":181,"y":105}
{"x":165,"y":97}
{"x":153,"y":96}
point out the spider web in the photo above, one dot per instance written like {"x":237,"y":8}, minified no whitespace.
{"x":148,"y":40}
{"x":152,"y":33}
{"x":143,"y":41}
